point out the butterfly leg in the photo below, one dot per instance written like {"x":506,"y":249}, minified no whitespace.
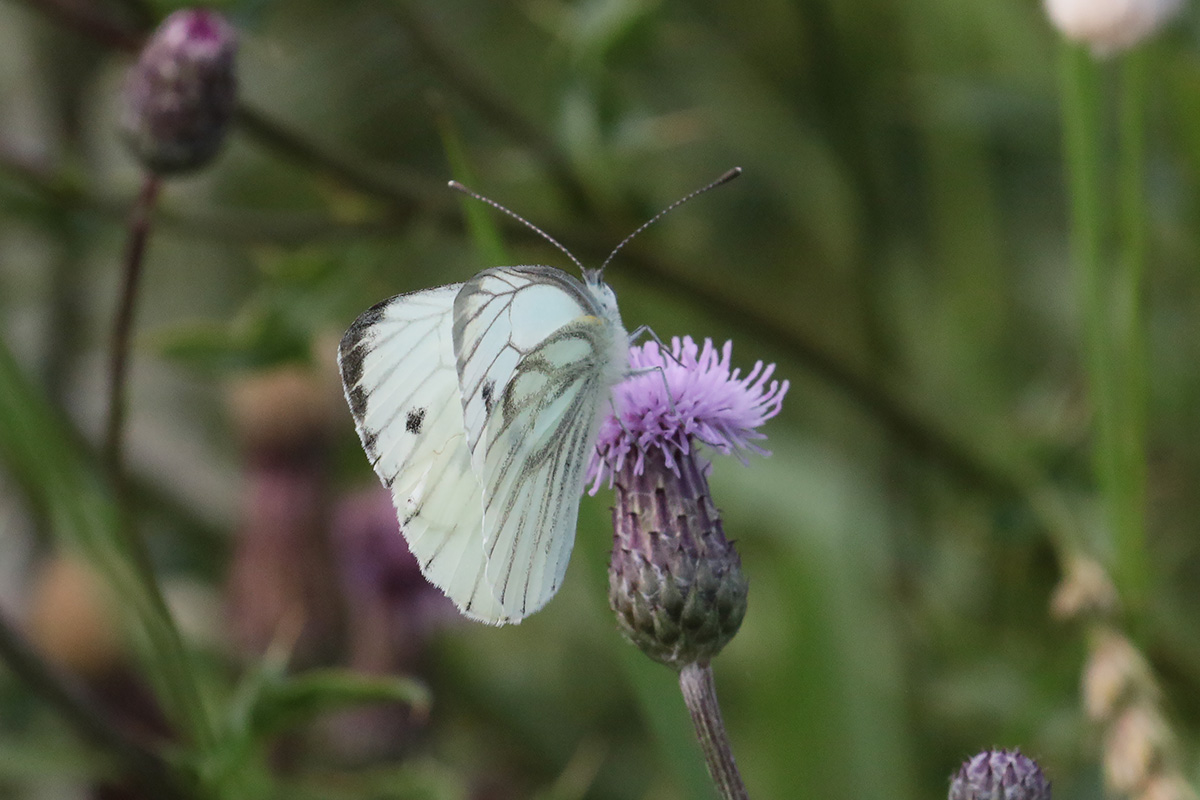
{"x":662,"y":373}
{"x":646,"y":330}
{"x":617,"y":415}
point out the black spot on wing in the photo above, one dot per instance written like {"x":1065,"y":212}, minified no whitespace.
{"x":489,"y":389}
{"x":412,"y":422}
{"x":368,"y":439}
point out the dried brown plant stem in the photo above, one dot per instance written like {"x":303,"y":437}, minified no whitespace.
{"x":472,"y":88}
{"x":83,"y":18}
{"x":1141,"y":753}
{"x":135,"y":250}
{"x":700,"y":696}
{"x":185,"y":698}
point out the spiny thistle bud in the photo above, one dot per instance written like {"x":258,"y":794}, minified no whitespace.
{"x":1000,"y":775}
{"x":675,"y":581}
{"x":1110,"y":26}
{"x":179,"y":96}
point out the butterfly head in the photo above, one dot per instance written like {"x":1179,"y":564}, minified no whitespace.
{"x":603,"y":295}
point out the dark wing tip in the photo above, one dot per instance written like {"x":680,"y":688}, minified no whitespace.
{"x":358,"y":402}
{"x":351,"y":349}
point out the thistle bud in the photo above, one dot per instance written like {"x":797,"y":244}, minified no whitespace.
{"x":179,"y":97}
{"x":1000,"y":775}
{"x":1110,"y":26}
{"x":675,"y":582}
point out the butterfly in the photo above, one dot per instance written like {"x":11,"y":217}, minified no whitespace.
{"x":478,"y":405}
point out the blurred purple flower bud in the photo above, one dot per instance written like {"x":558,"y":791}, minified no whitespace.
{"x":1000,"y":775}
{"x":675,"y":581}
{"x":282,"y":575}
{"x":390,"y":605}
{"x":179,"y":97}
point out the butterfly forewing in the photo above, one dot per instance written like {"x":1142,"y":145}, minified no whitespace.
{"x":400,"y":378}
{"x":534,"y":368}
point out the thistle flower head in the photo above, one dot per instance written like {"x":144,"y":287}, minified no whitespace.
{"x":675,"y":581}
{"x":179,"y":96}
{"x":1000,"y":775}
{"x":708,"y":402}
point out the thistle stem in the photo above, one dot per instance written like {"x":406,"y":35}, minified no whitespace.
{"x":139,"y":230}
{"x":700,"y":695}
{"x":184,"y":697}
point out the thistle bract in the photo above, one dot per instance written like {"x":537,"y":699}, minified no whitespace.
{"x":1000,"y":775}
{"x":675,"y":581}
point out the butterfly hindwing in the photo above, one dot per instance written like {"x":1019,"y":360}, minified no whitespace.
{"x":401,"y":381}
{"x":531,"y":353}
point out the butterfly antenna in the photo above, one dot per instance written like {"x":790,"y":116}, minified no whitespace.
{"x":726,"y":178}
{"x":458,"y":187}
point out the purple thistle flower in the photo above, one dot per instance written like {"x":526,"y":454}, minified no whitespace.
{"x":708,"y":402}
{"x":675,"y":581}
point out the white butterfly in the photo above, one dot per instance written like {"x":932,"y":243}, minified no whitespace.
{"x":478,"y":405}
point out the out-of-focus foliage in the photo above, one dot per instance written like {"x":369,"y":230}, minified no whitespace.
{"x":898,"y":244}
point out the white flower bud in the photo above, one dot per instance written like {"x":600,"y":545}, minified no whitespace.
{"x":1110,"y":25}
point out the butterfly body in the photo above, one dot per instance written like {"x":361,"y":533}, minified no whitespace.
{"x":478,"y":405}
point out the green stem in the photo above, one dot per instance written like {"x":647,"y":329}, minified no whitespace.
{"x":1131,"y":557}
{"x":1110,"y":296}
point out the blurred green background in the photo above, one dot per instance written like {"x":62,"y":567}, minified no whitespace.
{"x":898,"y":245}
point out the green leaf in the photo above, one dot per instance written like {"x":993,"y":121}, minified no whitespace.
{"x":414,"y":780}
{"x":217,"y":348}
{"x":302,"y":294}
{"x":285,"y":703}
